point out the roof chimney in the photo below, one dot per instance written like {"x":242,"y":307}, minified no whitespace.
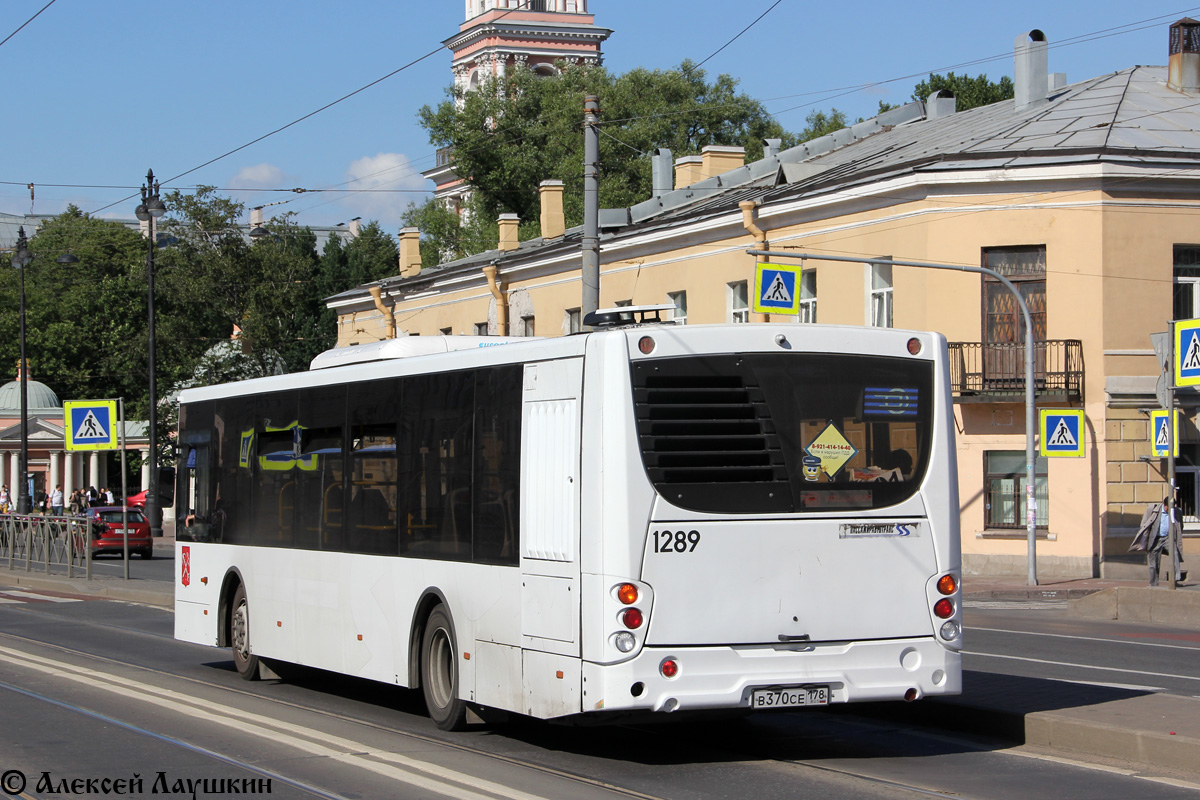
{"x":1031,"y":86}
{"x":256,"y":216}
{"x":687,"y":171}
{"x":508,"y":232}
{"x":771,"y":147}
{"x":356,"y":227}
{"x":716,"y":159}
{"x":410,"y":251}
{"x":1183,"y":64}
{"x":554,"y":224}
{"x":662,"y":179}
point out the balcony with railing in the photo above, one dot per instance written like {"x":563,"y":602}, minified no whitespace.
{"x":994,"y":372}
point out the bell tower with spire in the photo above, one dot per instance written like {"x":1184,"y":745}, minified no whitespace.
{"x":499,"y":35}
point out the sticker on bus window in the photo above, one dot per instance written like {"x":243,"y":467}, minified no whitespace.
{"x":832,"y":448}
{"x":837,"y":498}
{"x":889,"y":402}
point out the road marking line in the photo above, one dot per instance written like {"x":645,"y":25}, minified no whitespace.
{"x":11,"y":600}
{"x":35,"y":596}
{"x":307,"y":740}
{"x":970,"y":628}
{"x":1082,"y":666}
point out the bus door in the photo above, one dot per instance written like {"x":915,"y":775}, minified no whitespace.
{"x":550,"y":431}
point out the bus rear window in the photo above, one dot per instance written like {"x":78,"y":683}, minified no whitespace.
{"x":784,"y":432}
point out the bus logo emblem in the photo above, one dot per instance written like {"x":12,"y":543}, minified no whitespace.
{"x":185,"y":565}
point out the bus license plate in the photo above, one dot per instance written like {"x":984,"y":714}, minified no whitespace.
{"x":790,"y":696}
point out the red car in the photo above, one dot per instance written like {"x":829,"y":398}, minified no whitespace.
{"x":107,"y":536}
{"x":137,"y":500}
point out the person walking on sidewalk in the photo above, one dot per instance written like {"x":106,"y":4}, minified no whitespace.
{"x":1157,"y":533}
{"x":56,"y":501}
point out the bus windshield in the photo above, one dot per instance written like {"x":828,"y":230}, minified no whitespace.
{"x":784,"y":432}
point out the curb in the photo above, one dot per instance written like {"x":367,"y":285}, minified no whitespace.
{"x":1157,"y":605}
{"x":155,"y":594}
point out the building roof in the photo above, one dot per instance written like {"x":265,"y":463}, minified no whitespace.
{"x":1128,"y":117}
{"x":41,"y":399}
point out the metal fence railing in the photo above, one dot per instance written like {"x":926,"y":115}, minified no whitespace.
{"x":33,"y":541}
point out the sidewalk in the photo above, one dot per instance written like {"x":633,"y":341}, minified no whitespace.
{"x":1151,"y":729}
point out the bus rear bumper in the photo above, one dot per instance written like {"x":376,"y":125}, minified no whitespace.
{"x":727,"y":677}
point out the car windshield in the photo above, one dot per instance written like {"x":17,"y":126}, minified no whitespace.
{"x":115,"y":516}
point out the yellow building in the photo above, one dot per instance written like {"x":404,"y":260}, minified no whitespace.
{"x":1086,"y":196}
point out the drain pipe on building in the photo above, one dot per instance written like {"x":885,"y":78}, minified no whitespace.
{"x":389,"y":319}
{"x":497,"y":291}
{"x":1030,"y":412}
{"x":760,"y":236}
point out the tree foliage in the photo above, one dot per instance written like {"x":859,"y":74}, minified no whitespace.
{"x":517,"y":130}
{"x":969,"y":92}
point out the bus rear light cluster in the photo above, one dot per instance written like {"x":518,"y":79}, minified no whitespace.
{"x":631,"y":620}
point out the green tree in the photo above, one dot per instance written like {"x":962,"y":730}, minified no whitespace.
{"x":515,"y":131}
{"x":818,"y":123}
{"x":85,"y":322}
{"x":968,"y":92}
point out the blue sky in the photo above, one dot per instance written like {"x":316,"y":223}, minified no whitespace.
{"x":97,"y":92}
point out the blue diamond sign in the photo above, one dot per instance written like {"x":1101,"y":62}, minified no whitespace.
{"x":776,"y":289}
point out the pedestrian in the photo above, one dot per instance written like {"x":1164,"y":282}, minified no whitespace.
{"x":77,"y":504}
{"x":93,"y":497}
{"x":108,"y":496}
{"x":5,"y":500}
{"x":1158,"y":533}
{"x":56,"y":501}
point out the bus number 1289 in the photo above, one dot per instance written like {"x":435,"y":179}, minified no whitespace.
{"x":676,"y":541}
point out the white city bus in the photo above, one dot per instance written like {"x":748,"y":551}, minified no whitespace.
{"x":639,"y":519}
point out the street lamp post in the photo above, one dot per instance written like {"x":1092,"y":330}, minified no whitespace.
{"x":20,"y":261}
{"x":150,"y":209}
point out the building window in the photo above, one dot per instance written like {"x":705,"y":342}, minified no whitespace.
{"x":881,"y":295}
{"x":527,"y":325}
{"x":679,"y":300}
{"x":1025,"y":266}
{"x":446,"y":331}
{"x":1187,"y":281}
{"x":1004,"y":504}
{"x":572,"y":321}
{"x":739,"y":309}
{"x":481,"y":329}
{"x":808,"y":297}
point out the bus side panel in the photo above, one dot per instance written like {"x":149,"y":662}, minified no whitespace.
{"x":550,"y":506}
{"x":940,"y":489}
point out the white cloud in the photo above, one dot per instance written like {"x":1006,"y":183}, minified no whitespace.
{"x":259,"y":176}
{"x":391,"y":172}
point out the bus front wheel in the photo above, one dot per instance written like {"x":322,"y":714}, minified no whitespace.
{"x":239,"y":637}
{"x":439,"y":673}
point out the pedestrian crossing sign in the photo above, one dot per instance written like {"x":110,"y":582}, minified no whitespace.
{"x":1061,"y":432}
{"x":90,"y":424}
{"x":1187,"y":352}
{"x":775,"y":289}
{"x":1160,"y":439}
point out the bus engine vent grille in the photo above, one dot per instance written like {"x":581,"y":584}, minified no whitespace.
{"x":706,"y":429}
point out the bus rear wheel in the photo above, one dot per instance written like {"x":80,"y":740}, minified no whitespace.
{"x":439,"y":673}
{"x":239,"y":637}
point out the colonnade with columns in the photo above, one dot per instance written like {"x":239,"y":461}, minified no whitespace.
{"x":73,"y":470}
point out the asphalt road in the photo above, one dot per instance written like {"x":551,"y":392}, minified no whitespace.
{"x":96,"y":689}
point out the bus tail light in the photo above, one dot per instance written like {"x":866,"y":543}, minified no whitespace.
{"x":669,"y":668}
{"x":947,"y":584}
{"x":950,"y":631}
{"x":943,"y":609}
{"x":627,"y":593}
{"x":914,"y":346}
{"x":624,"y":641}
{"x":631,"y":618}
